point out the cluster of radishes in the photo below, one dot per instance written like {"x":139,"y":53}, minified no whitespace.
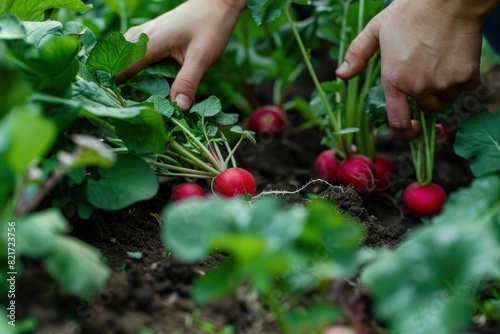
{"x":232,"y":182}
{"x":365,"y":175}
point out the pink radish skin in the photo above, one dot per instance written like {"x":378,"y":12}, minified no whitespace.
{"x":186,"y":190}
{"x":359,"y":171}
{"x":326,"y":166}
{"x":384,"y":171}
{"x":234,"y":182}
{"x":425,"y":201}
{"x":267,"y":120}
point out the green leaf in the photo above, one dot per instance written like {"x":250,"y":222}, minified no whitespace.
{"x":376,"y":107}
{"x":58,"y":64}
{"x":129,"y":181}
{"x":152,"y":85}
{"x":226,"y":119}
{"x":114,"y":53}
{"x":208,"y":287}
{"x":32,"y":10}
{"x":28,"y":135}
{"x":4,"y":9}
{"x":144,"y":133}
{"x":244,"y":133}
{"x":479,"y":138}
{"x":313,"y":319}
{"x":336,"y":237}
{"x":122,"y":7}
{"x":11,"y":28}
{"x":471,"y":203}
{"x":192,"y":225}
{"x":14,"y":89}
{"x":162,"y":105}
{"x":40,"y":32}
{"x":95,"y":100}
{"x":89,"y":152}
{"x":333,"y":87}
{"x":37,"y":233}
{"x":78,"y":267}
{"x":168,"y":68}
{"x":432,"y":273}
{"x":74,"y":264}
{"x":206,"y":108}
{"x":265,"y":11}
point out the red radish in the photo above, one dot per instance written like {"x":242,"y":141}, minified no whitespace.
{"x":443,"y":133}
{"x":384,"y":171}
{"x":359,"y":171}
{"x":424,"y":200}
{"x":234,"y":182}
{"x":267,"y":120}
{"x":186,"y":190}
{"x":326,"y":166}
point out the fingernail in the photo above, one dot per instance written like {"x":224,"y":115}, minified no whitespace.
{"x":342,"y":68}
{"x":182,"y":101}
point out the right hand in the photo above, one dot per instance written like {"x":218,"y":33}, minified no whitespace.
{"x":430,"y":50}
{"x":194,"y":34}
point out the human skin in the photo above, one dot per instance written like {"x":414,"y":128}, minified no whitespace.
{"x":194,"y":34}
{"x":430,"y":50}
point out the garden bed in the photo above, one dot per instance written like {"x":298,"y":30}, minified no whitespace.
{"x":153,"y":293}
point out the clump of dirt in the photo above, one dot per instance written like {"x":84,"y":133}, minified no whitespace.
{"x":348,"y":201}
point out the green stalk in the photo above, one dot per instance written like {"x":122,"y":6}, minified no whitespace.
{"x":194,"y":160}
{"x":181,"y":169}
{"x":231,"y":153}
{"x":169,"y":159}
{"x":423,"y":148}
{"x":186,"y":175}
{"x":336,"y":126}
{"x":203,"y":150}
{"x":123,"y":16}
{"x":426,"y":163}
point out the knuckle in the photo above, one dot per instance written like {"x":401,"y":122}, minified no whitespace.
{"x":188,"y":83}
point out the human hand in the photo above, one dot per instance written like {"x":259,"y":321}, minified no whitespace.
{"x":194,"y":34}
{"x":429,"y":51}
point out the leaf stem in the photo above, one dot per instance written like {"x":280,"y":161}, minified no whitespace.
{"x":195,"y":160}
{"x":305,"y":56}
{"x":201,"y":148}
{"x":181,"y":169}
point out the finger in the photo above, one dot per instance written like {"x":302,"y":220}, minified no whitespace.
{"x":428,"y":103}
{"x":187,"y":80}
{"x":360,"y":51}
{"x":399,"y":114}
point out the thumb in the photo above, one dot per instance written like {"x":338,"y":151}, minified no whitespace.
{"x":360,"y":51}
{"x":187,"y":80}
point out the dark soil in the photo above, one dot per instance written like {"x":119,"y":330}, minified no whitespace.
{"x":153,"y":293}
